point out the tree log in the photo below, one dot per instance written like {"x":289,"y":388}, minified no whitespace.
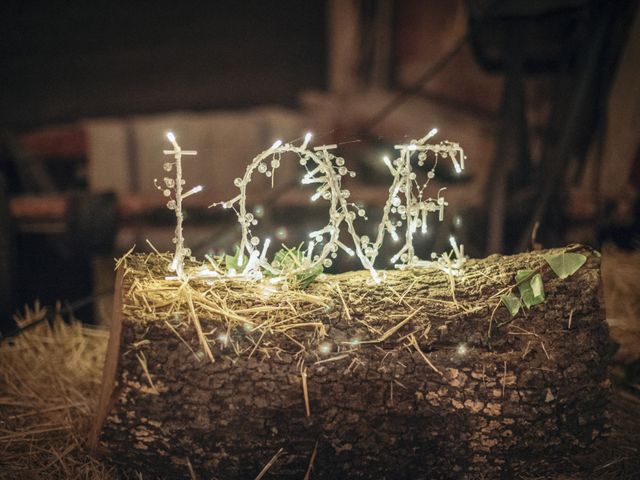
{"x":422,"y":376}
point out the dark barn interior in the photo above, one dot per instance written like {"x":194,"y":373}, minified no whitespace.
{"x":543,"y":97}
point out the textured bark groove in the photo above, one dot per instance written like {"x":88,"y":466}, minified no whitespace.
{"x":525,"y":399}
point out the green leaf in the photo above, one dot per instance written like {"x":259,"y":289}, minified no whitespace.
{"x":565,"y":264}
{"x":231,"y":261}
{"x":536,"y":286}
{"x":306,"y":278}
{"x":287,"y":260}
{"x":512,"y":302}
{"x":523,"y":276}
{"x":531,"y":287}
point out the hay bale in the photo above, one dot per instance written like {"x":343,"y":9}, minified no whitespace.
{"x":49,"y":378}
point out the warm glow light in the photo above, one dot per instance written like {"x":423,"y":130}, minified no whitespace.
{"x":395,"y":258}
{"x":454,"y":245}
{"x":387,"y":162}
{"x":171,"y":137}
{"x":207,"y":272}
{"x":429,"y":135}
{"x":307,"y":139}
{"x":349,"y":251}
{"x":195,"y":189}
{"x":267,"y":242}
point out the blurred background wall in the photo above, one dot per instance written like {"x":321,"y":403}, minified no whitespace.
{"x":543,"y":96}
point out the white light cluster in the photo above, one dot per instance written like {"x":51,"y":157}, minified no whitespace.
{"x":173,"y":187}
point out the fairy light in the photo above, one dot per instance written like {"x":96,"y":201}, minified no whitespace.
{"x":462,"y":349}
{"x":325,"y":348}
{"x":173,"y":189}
{"x":348,"y":251}
{"x":207,"y":273}
{"x":432,"y":133}
{"x":251,"y":263}
{"x":387,"y":162}
{"x":196,"y":189}
{"x":309,"y":251}
{"x":265,"y":247}
{"x":307,"y":139}
{"x":452,"y":262}
{"x":316,"y":196}
{"x":454,"y":245}
{"x":397,"y":256}
{"x":308,"y":180}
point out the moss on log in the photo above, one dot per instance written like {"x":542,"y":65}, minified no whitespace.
{"x":423,"y":376}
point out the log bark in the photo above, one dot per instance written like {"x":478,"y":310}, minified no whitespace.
{"x":404,"y":380}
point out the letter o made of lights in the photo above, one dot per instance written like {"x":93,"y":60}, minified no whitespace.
{"x":321,"y":170}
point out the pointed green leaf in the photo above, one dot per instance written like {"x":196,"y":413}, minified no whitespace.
{"x":530,"y":287}
{"x":536,"y":286}
{"x":289,"y":259}
{"x":307,"y":277}
{"x":566,"y":263}
{"x":522,"y":275}
{"x":231,"y":261}
{"x":512,"y":302}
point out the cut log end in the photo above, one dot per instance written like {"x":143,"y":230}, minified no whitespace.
{"x":410,"y":382}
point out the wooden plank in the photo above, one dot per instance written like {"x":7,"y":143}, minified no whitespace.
{"x":108,"y":390}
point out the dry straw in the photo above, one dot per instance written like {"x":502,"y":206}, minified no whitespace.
{"x":49,"y":379}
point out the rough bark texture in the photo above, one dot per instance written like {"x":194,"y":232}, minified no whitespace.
{"x":530,"y":398}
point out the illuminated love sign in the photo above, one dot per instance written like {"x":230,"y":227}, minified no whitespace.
{"x":406,"y":207}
